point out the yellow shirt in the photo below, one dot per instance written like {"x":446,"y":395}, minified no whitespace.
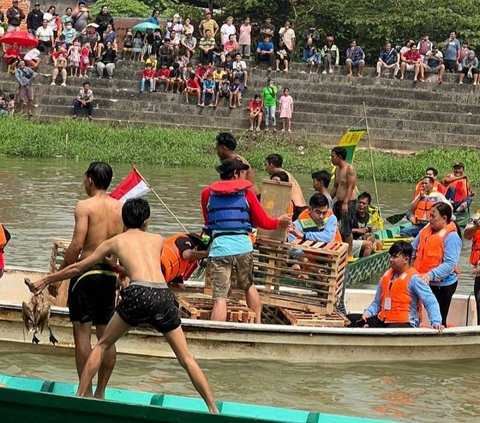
{"x":218,"y":75}
{"x":152,"y":62}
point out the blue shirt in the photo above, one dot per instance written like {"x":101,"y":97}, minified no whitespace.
{"x":389,"y":57}
{"x":325,"y":235}
{"x":230,"y":245}
{"x":451,"y":49}
{"x":208,"y":85}
{"x":444,"y":274}
{"x":356,"y":54}
{"x":418,"y":289}
{"x":265,"y":46}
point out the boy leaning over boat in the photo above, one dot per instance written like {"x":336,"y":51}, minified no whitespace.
{"x":398,"y":294}
{"x":147,"y":300}
{"x":230,"y":210}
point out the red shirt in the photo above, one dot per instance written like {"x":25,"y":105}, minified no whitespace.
{"x":202,"y":72}
{"x":193,"y":83}
{"x":13,"y":52}
{"x":258,"y":216}
{"x":148,"y":73}
{"x":163,"y":73}
{"x":412,"y":55}
{"x":255,"y":105}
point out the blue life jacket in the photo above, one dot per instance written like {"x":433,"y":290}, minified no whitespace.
{"x":227,"y":208}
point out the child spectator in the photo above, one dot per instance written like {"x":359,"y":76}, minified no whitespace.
{"x":217,"y":74}
{"x":240,"y":69}
{"x":32,"y":58}
{"x":152,"y":60}
{"x":11,"y":105}
{"x":147,"y":78}
{"x":74,"y":57}
{"x":313,"y":59}
{"x":84,"y":59}
{"x":128,"y":45}
{"x":256,"y":112}
{"x":161,"y":77}
{"x":186,"y":71}
{"x":286,"y":110}
{"x":3,"y":107}
{"x":60,"y":68}
{"x":202,"y":71}
{"x":223,"y":88}
{"x":137,"y":46}
{"x":175,"y":81}
{"x":192,"y":88}
{"x":245,"y":38}
{"x":209,"y":87}
{"x":69,"y":33}
{"x":235,"y":93}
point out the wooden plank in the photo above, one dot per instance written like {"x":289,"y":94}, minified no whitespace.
{"x":283,"y":302}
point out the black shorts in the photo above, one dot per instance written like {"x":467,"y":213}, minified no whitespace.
{"x":91,"y":296}
{"x":345,"y":220}
{"x":450,"y":65}
{"x":149,"y":303}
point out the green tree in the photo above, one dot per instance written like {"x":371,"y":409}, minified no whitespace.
{"x":124,"y":8}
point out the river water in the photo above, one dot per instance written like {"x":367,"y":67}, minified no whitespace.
{"x":37,"y":199}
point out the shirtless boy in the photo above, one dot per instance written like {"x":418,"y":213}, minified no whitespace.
{"x":91,"y":295}
{"x":146,"y":300}
{"x":226,"y":146}
{"x":273,"y":164}
{"x":343,"y":190}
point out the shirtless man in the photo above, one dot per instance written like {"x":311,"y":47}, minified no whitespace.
{"x":226,"y":146}
{"x":344,"y":191}
{"x":91,"y":296}
{"x":273,"y":165}
{"x":146,"y":300}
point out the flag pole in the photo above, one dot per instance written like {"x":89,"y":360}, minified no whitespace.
{"x":371,"y":157}
{"x":161,"y":201}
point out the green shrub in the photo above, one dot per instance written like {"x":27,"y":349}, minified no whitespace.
{"x":124,"y":8}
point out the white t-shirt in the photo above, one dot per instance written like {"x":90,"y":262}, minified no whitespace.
{"x":240,"y":66}
{"x":32,"y":54}
{"x":44,"y":34}
{"x":288,"y":37}
{"x":225,"y":32}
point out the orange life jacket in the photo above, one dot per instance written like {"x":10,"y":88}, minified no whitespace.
{"x":309,"y":225}
{"x":437,"y":186}
{"x":3,"y":238}
{"x":461,"y":188}
{"x":475,"y":253}
{"x":431,"y":247}
{"x":400,"y":298}
{"x":173,"y":265}
{"x":422,"y":211}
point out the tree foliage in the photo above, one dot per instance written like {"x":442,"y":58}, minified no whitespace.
{"x":124,"y":8}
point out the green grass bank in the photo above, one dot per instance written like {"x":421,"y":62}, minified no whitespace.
{"x":192,"y":148}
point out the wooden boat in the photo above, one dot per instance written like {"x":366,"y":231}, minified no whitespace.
{"x":299,"y":343}
{"x":27,"y":399}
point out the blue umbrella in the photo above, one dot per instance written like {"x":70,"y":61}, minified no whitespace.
{"x":142,"y":27}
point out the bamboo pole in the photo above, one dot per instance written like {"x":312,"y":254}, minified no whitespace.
{"x":371,"y":157}
{"x":161,"y":201}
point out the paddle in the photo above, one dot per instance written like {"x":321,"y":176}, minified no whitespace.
{"x":395,"y":218}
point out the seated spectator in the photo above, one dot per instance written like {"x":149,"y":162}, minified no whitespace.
{"x":458,"y":190}
{"x":433,"y":62}
{"x":355,"y":59}
{"x":148,"y":75}
{"x":152,"y":61}
{"x":45,"y":37}
{"x":107,"y":61}
{"x":411,"y":62}
{"x":399,"y":294}
{"x":60,"y":68}
{"x":231,"y":46}
{"x":321,"y":181}
{"x":389,"y":59}
{"x":61,"y":50}
{"x":406,"y":47}
{"x":189,"y":43}
{"x":192,"y":88}
{"x":161,"y":77}
{"x":108,"y":36}
{"x":223,"y":90}
{"x":240,"y":69}
{"x":166,"y":53}
{"x":175,"y":41}
{"x":206,"y":46}
{"x":69,"y":34}
{"x":11,"y":56}
{"x":282,"y":57}
{"x":175,"y":80}
{"x":255,"y":109}
{"x":464,"y":51}
{"x":437,"y":186}
{"x":186,"y":71}
{"x":137,"y":46}
{"x":209,"y":88}
{"x":245,"y":38}
{"x":202,"y":71}
{"x":310,"y":39}
{"x":93,"y":38}
{"x":235,"y":93}
{"x":314,"y":59}
{"x":228,"y":66}
{"x":84,"y":100}
{"x":148,"y":40}
{"x":452,"y":49}
{"x":364,"y":242}
{"x":32,"y":58}
{"x":264,"y":53}
{"x":218,"y":73}
{"x":330,"y":55}
{"x":470,"y":68}
{"x":128,"y":45}
{"x":424,"y":46}
{"x":74,"y":57}
{"x":60,"y":42}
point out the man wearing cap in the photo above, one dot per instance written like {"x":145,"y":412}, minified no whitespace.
{"x":15,"y":16}
{"x":457,"y":188}
{"x":189,"y":42}
{"x":4,"y":238}
{"x":208,"y":24}
{"x":230,"y":210}
{"x":34,"y":19}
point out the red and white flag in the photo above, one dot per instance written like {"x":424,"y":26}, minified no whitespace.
{"x":133,"y":186}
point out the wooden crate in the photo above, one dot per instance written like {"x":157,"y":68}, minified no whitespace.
{"x":200,"y":307}
{"x":59,"y":290}
{"x":319,"y":282}
{"x":302,"y":318}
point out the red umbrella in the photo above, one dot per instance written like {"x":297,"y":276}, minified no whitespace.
{"x":23,"y":38}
